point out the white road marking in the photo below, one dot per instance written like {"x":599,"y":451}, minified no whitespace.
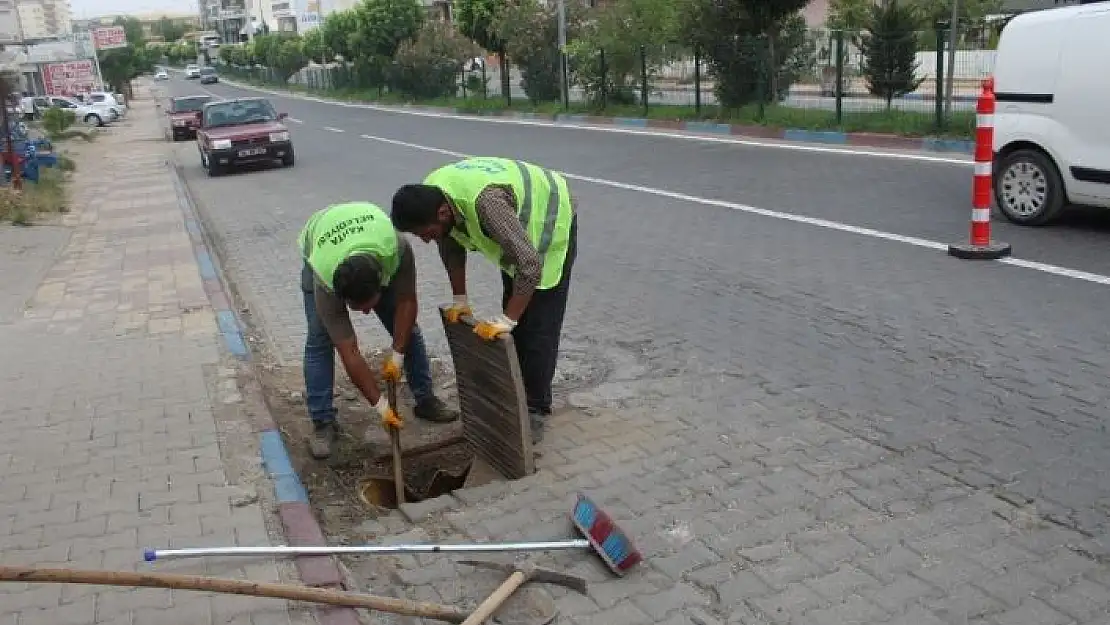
{"x":294,"y":120}
{"x":796,"y":147}
{"x":330,"y":129}
{"x":783,"y":216}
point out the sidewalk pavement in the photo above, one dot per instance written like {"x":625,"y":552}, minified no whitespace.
{"x":121,"y":411}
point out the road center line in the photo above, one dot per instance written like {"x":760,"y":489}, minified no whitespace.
{"x":783,"y":216}
{"x":330,"y":129}
{"x":294,"y":120}
{"x":796,"y":147}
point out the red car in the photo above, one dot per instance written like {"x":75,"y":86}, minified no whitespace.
{"x":185,"y":115}
{"x":242,"y":132}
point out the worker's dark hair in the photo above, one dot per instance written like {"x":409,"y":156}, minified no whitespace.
{"x":416,"y":206}
{"x":357,"y":279}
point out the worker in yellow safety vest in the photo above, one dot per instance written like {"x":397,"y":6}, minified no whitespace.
{"x":522,"y":218}
{"x":355,"y":260}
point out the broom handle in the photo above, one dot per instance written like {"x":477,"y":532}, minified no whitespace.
{"x":151,"y":555}
{"x":235,"y":587}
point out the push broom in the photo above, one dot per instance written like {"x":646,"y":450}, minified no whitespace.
{"x":599,"y":531}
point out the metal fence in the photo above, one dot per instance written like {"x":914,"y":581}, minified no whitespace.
{"x":823,"y":81}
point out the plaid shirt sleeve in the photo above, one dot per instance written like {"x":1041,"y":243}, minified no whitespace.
{"x":496,"y":208}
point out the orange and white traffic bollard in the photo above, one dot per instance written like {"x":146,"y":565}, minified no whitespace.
{"x":981,"y":247}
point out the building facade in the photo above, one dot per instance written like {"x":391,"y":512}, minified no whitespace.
{"x":32,"y":20}
{"x":9,"y":23}
{"x":58,"y":17}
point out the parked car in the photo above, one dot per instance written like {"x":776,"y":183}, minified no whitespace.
{"x":208,"y":76}
{"x":184,"y":114}
{"x":161,"y":74}
{"x":240,"y":132}
{"x":112,"y":100}
{"x":192,"y":70}
{"x":1051,"y":139}
{"x":93,"y":114}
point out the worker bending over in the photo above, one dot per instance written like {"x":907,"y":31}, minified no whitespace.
{"x":522,"y":218}
{"x":354,"y":259}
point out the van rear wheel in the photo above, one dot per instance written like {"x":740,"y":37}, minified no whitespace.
{"x":1028,"y":188}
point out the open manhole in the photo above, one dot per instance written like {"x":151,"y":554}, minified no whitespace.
{"x":427,"y":475}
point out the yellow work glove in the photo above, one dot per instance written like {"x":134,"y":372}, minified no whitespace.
{"x":458,"y":309}
{"x":390,"y":418}
{"x":493,"y":328}
{"x":392,"y":366}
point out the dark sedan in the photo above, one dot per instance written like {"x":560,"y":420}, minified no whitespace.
{"x":208,"y":76}
{"x":241,"y":132}
{"x":184,"y":115}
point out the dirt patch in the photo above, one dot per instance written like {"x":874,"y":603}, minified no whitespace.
{"x":434,"y":456}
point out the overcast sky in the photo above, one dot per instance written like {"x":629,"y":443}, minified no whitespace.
{"x":90,"y":8}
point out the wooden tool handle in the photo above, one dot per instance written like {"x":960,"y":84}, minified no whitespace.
{"x":395,"y":444}
{"x":235,"y":587}
{"x":494,"y":601}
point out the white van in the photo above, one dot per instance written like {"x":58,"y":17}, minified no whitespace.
{"x":1052,"y":122}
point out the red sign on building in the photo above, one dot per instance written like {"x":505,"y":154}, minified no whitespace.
{"x":109,"y":37}
{"x":69,"y":78}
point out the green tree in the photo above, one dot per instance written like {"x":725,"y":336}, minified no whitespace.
{"x":755,"y":49}
{"x":170,"y":30}
{"x":530,"y":31}
{"x":336,"y":32}
{"x":619,"y":29}
{"x":429,"y":65}
{"x":120,"y":66}
{"x":384,"y":24}
{"x":133,"y":28}
{"x":312,"y":43}
{"x":889,"y":50}
{"x":476,"y":19}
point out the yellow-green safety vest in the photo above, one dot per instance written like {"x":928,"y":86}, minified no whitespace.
{"x":338,"y":232}
{"x":543,"y":207}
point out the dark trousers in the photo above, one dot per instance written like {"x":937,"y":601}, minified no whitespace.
{"x":537,"y":333}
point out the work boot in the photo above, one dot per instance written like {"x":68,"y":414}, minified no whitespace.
{"x":435,"y":411}
{"x":537,"y":422}
{"x":324,"y":435}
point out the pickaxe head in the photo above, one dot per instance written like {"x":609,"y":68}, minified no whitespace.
{"x":533,"y":573}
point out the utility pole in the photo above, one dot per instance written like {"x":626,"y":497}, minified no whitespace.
{"x":953,"y":28}
{"x":563,"y":77}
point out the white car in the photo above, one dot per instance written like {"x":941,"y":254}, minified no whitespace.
{"x":112,"y":100}
{"x":92,"y":114}
{"x":192,"y":70}
{"x":161,"y":74}
{"x":1051,"y":137}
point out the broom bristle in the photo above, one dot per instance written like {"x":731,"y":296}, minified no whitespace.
{"x":612,"y":544}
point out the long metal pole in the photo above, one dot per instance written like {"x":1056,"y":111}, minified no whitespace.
{"x":563,"y":78}
{"x":953,"y":30}
{"x":150,"y":555}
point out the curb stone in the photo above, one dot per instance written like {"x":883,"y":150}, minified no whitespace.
{"x":797,"y":135}
{"x":297,"y":520}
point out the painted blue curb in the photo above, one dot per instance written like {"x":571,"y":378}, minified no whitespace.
{"x":631,"y":121}
{"x":948,"y":145}
{"x":815,"y":136}
{"x":713,"y":127}
{"x":275,"y":458}
{"x":206,"y":266}
{"x":570,"y":118}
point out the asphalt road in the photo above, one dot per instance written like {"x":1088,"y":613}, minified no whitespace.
{"x":703,"y":270}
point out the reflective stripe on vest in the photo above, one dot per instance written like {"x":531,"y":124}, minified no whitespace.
{"x":338,"y":232}
{"x":464,"y":181}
